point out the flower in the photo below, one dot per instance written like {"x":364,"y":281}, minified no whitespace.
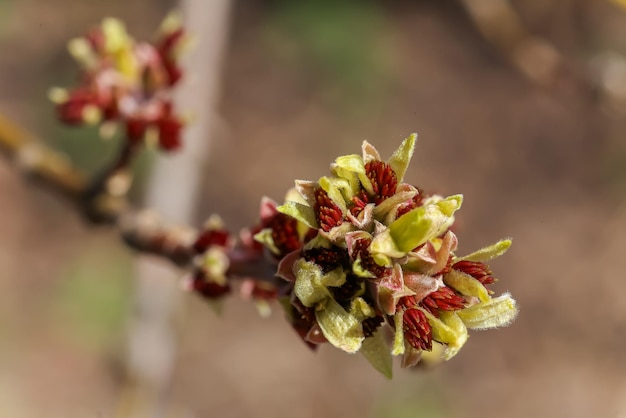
{"x":363,"y":251}
{"x":211,"y":250}
{"x":127,"y":83}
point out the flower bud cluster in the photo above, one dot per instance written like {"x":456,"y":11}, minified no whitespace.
{"x":219,"y":257}
{"x":127,"y":83}
{"x":212,"y":245}
{"x":371,"y":266}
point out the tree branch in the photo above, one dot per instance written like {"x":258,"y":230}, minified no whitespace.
{"x":35,"y":159}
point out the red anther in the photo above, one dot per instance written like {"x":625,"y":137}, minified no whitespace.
{"x":479,"y":271}
{"x":417,"y":330}
{"x":328,"y":214}
{"x":383,"y":178}
{"x":444,"y":299}
{"x":284,"y":233}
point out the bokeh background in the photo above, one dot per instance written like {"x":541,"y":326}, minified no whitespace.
{"x":519,"y":105}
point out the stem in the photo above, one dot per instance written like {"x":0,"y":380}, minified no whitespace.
{"x":142,"y":231}
{"x":146,"y":233}
{"x":47,"y":166}
{"x":105,"y":198}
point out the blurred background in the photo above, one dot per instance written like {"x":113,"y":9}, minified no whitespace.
{"x":519,"y":105}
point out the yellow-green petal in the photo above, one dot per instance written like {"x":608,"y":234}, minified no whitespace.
{"x":398,"y":339}
{"x":384,"y":244}
{"x":215,"y":262}
{"x":311,"y":285}
{"x":401,"y":158}
{"x":353,"y":163}
{"x":448,"y":329}
{"x":466,"y":285}
{"x":352,"y":179}
{"x":450,"y":204}
{"x":265,"y":238}
{"x":361,"y":310}
{"x":497,"y":312}
{"x":358,"y":270}
{"x":115,"y":35}
{"x":425,"y":222}
{"x":302,"y":213}
{"x":487,"y":253}
{"x":376,"y":351}
{"x":340,"y":328}
{"x":412,"y":229}
{"x":334,"y":186}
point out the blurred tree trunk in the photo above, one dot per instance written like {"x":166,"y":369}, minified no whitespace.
{"x":172,"y":192}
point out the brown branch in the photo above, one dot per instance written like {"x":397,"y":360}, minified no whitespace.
{"x":103,"y":201}
{"x":49,"y":167}
{"x":147,"y":233}
{"x":100,"y":200}
{"x":144,"y":231}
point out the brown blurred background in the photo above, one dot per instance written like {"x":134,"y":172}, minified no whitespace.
{"x":520,"y":106}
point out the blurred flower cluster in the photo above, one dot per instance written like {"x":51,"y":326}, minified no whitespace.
{"x":370,"y":263}
{"x":127,"y":83}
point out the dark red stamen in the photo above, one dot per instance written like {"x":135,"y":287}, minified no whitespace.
{"x":444,"y":299}
{"x":328,"y":214}
{"x":359,"y":201}
{"x":479,"y":271}
{"x":383,"y":178}
{"x":327,"y":258}
{"x":284,"y":233}
{"x":346,"y":292}
{"x":370,"y":325}
{"x":417,"y":330}
{"x":407,"y":302}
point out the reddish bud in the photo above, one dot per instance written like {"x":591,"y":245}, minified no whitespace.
{"x":210,"y":238}
{"x":417,"y":330}
{"x":169,"y":128}
{"x":209,"y":289}
{"x":136,"y":129}
{"x":72,"y":110}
